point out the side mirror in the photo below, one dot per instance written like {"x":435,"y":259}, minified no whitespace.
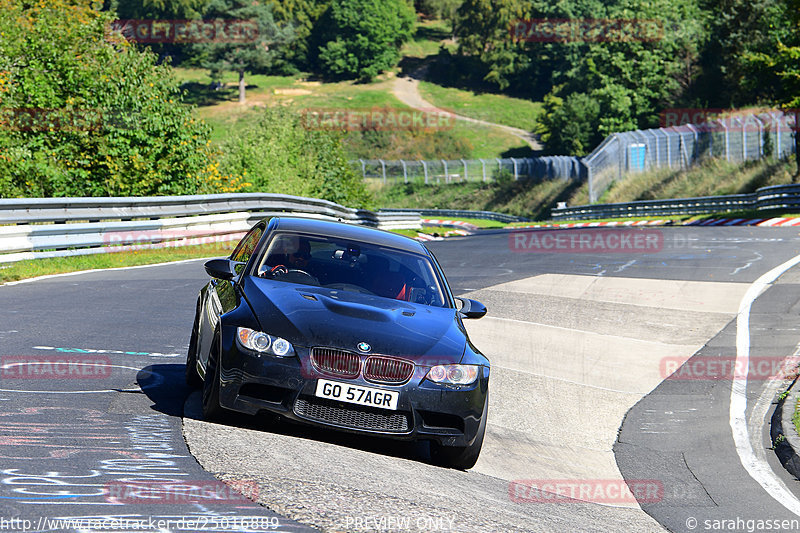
{"x":471,"y":308}
{"x":220,"y":268}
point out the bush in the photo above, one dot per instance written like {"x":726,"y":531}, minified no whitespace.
{"x":569,"y":126}
{"x":419,"y":144}
{"x":277,"y":154}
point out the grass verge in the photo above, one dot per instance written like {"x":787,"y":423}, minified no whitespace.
{"x":59,"y":265}
{"x":429,"y":36}
{"x":495,"y":108}
{"x":523,"y":197}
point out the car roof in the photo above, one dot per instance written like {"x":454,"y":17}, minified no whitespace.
{"x":352,"y":232}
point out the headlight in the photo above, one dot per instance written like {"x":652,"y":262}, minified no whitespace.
{"x":259,"y":341}
{"x":453,"y":374}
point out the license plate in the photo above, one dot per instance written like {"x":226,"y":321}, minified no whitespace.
{"x":345,"y":392}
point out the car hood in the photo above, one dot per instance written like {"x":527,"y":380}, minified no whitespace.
{"x":315,"y":316}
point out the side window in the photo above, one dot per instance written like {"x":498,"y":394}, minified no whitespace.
{"x":246,"y":247}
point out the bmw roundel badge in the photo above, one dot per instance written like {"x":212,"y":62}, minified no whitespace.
{"x":364,"y":347}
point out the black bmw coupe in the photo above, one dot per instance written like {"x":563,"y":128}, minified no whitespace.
{"x":344,"y":327}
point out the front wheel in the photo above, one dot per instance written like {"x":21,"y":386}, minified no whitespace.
{"x":192,"y":377}
{"x":212,"y":410}
{"x":462,"y":457}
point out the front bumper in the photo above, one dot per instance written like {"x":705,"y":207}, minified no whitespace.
{"x":252,"y":383}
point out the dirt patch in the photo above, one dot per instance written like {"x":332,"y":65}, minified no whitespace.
{"x":292,"y":92}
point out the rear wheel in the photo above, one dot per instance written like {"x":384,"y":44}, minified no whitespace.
{"x":212,"y":410}
{"x":462,"y":457}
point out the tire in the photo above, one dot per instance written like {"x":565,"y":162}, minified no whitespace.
{"x":212,"y":410}
{"x":193,"y":379}
{"x":462,"y":457}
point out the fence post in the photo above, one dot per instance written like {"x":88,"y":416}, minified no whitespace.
{"x":499,"y":166}
{"x":710,"y":141}
{"x":760,"y":137}
{"x":383,"y":170}
{"x":727,"y":141}
{"x":446,"y":179}
{"x":425,"y":170}
{"x":363,"y":169}
{"x":684,"y":153}
{"x":516,"y":174}
{"x":658,"y":160}
{"x":405,"y":171}
{"x":465,"y":170}
{"x":696,"y":148}
{"x":669,"y":155}
{"x":744,"y":142}
{"x":483,"y":168}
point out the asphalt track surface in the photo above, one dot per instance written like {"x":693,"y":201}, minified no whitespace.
{"x":70,"y":445}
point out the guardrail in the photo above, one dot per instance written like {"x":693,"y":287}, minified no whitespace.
{"x":456,"y":213}
{"x":784,"y":197}
{"x":54,"y":227}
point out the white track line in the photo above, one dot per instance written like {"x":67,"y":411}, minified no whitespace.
{"x":758,"y":470}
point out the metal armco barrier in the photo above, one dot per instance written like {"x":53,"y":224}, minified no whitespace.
{"x":53,"y":227}
{"x":458,"y":213}
{"x":785,"y":197}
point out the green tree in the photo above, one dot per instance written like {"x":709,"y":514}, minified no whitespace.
{"x":739,"y":30}
{"x":278,"y":154}
{"x":87,"y":114}
{"x":483,"y":29}
{"x":302,"y":15}
{"x":362,"y":38}
{"x":249,"y":55}
{"x":782,"y":63}
{"x":649,"y":64}
{"x":159,"y":10}
{"x":155,"y":9}
{"x":446,"y":10}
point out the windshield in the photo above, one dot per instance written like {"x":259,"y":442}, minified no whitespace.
{"x":351,"y":266}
